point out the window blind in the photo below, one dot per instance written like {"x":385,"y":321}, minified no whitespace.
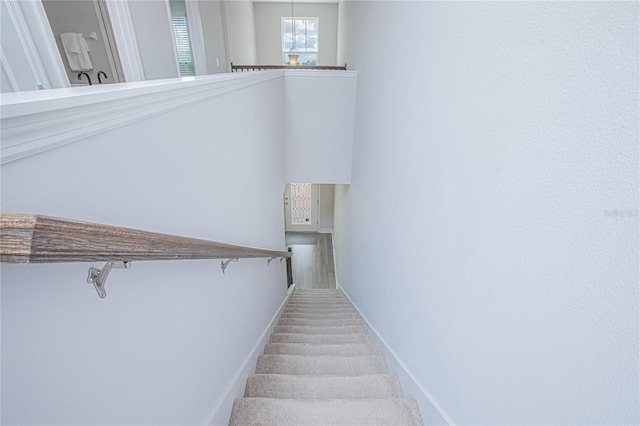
{"x":183,"y":45}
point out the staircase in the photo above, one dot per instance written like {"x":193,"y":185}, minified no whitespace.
{"x":321,"y":369}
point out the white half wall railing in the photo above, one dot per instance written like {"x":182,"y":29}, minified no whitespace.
{"x":318,"y":109}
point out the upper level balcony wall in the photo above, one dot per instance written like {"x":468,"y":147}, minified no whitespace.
{"x":319,"y":120}
{"x":318,"y":110}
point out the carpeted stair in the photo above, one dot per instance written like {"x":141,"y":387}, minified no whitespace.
{"x":320,"y":368}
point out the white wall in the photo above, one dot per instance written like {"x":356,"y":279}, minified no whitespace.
{"x":152,"y":22}
{"x":325,"y":213}
{"x":165,"y":344}
{"x":269,"y":32}
{"x":490,"y":231}
{"x":241,"y":31}
{"x":213,"y":34}
{"x":319,"y":111}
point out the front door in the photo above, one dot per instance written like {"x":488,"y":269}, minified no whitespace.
{"x":301,"y":207}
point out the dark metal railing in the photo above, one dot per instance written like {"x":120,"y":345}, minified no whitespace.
{"x":242,"y":68}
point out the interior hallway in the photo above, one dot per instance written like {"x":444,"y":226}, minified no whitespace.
{"x":312,"y":260}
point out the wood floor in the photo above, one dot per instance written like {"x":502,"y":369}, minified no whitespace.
{"x":312,"y":264}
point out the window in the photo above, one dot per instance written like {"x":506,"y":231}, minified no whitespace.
{"x":300,"y":37}
{"x":183,"y":46}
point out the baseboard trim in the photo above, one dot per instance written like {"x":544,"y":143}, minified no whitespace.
{"x":432,"y":413}
{"x":235,"y":390}
{"x":335,"y":261}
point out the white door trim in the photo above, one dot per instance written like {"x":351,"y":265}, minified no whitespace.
{"x":12,"y":81}
{"x":23,"y":32}
{"x":196,"y":38}
{"x":39,"y":30}
{"x":106,"y":31}
{"x":173,"y":37}
{"x":125,"y":37}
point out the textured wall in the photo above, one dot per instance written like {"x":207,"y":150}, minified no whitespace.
{"x":318,"y":118}
{"x":165,"y":344}
{"x":490,"y":233}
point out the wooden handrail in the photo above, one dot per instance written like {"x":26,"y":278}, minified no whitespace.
{"x":236,"y":68}
{"x":26,"y":238}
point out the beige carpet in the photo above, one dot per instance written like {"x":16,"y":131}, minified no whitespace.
{"x":320,"y":368}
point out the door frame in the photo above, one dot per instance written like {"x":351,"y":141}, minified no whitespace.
{"x":32,"y":28}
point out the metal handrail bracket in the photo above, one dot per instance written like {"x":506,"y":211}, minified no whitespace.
{"x":226,"y":263}
{"x":98,"y":277}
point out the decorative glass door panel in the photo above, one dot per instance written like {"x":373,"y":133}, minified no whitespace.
{"x":301,"y":207}
{"x":301,"y":204}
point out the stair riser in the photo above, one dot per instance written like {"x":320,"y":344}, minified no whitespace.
{"x":318,"y":310}
{"x":319,"y":296}
{"x":318,"y":330}
{"x":323,"y":365}
{"x":319,"y":304}
{"x":318,"y":338}
{"x":349,"y":349}
{"x":318,"y":322}
{"x":318,"y":315}
{"x":321,"y":387}
{"x":275,"y":411}
{"x":314,"y":298}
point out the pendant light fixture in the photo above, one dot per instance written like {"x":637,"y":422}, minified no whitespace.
{"x":293,"y":57}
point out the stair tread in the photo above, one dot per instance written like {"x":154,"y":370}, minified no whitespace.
{"x":313,"y":300}
{"x":323,"y":387}
{"x":319,"y":338}
{"x":322,"y":365}
{"x":272,"y":411}
{"x":318,"y":329}
{"x":319,"y":308}
{"x":319,"y":349}
{"x":319,"y":305}
{"x":319,"y":321}
{"x":319,"y":312}
{"x":312,"y":315}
